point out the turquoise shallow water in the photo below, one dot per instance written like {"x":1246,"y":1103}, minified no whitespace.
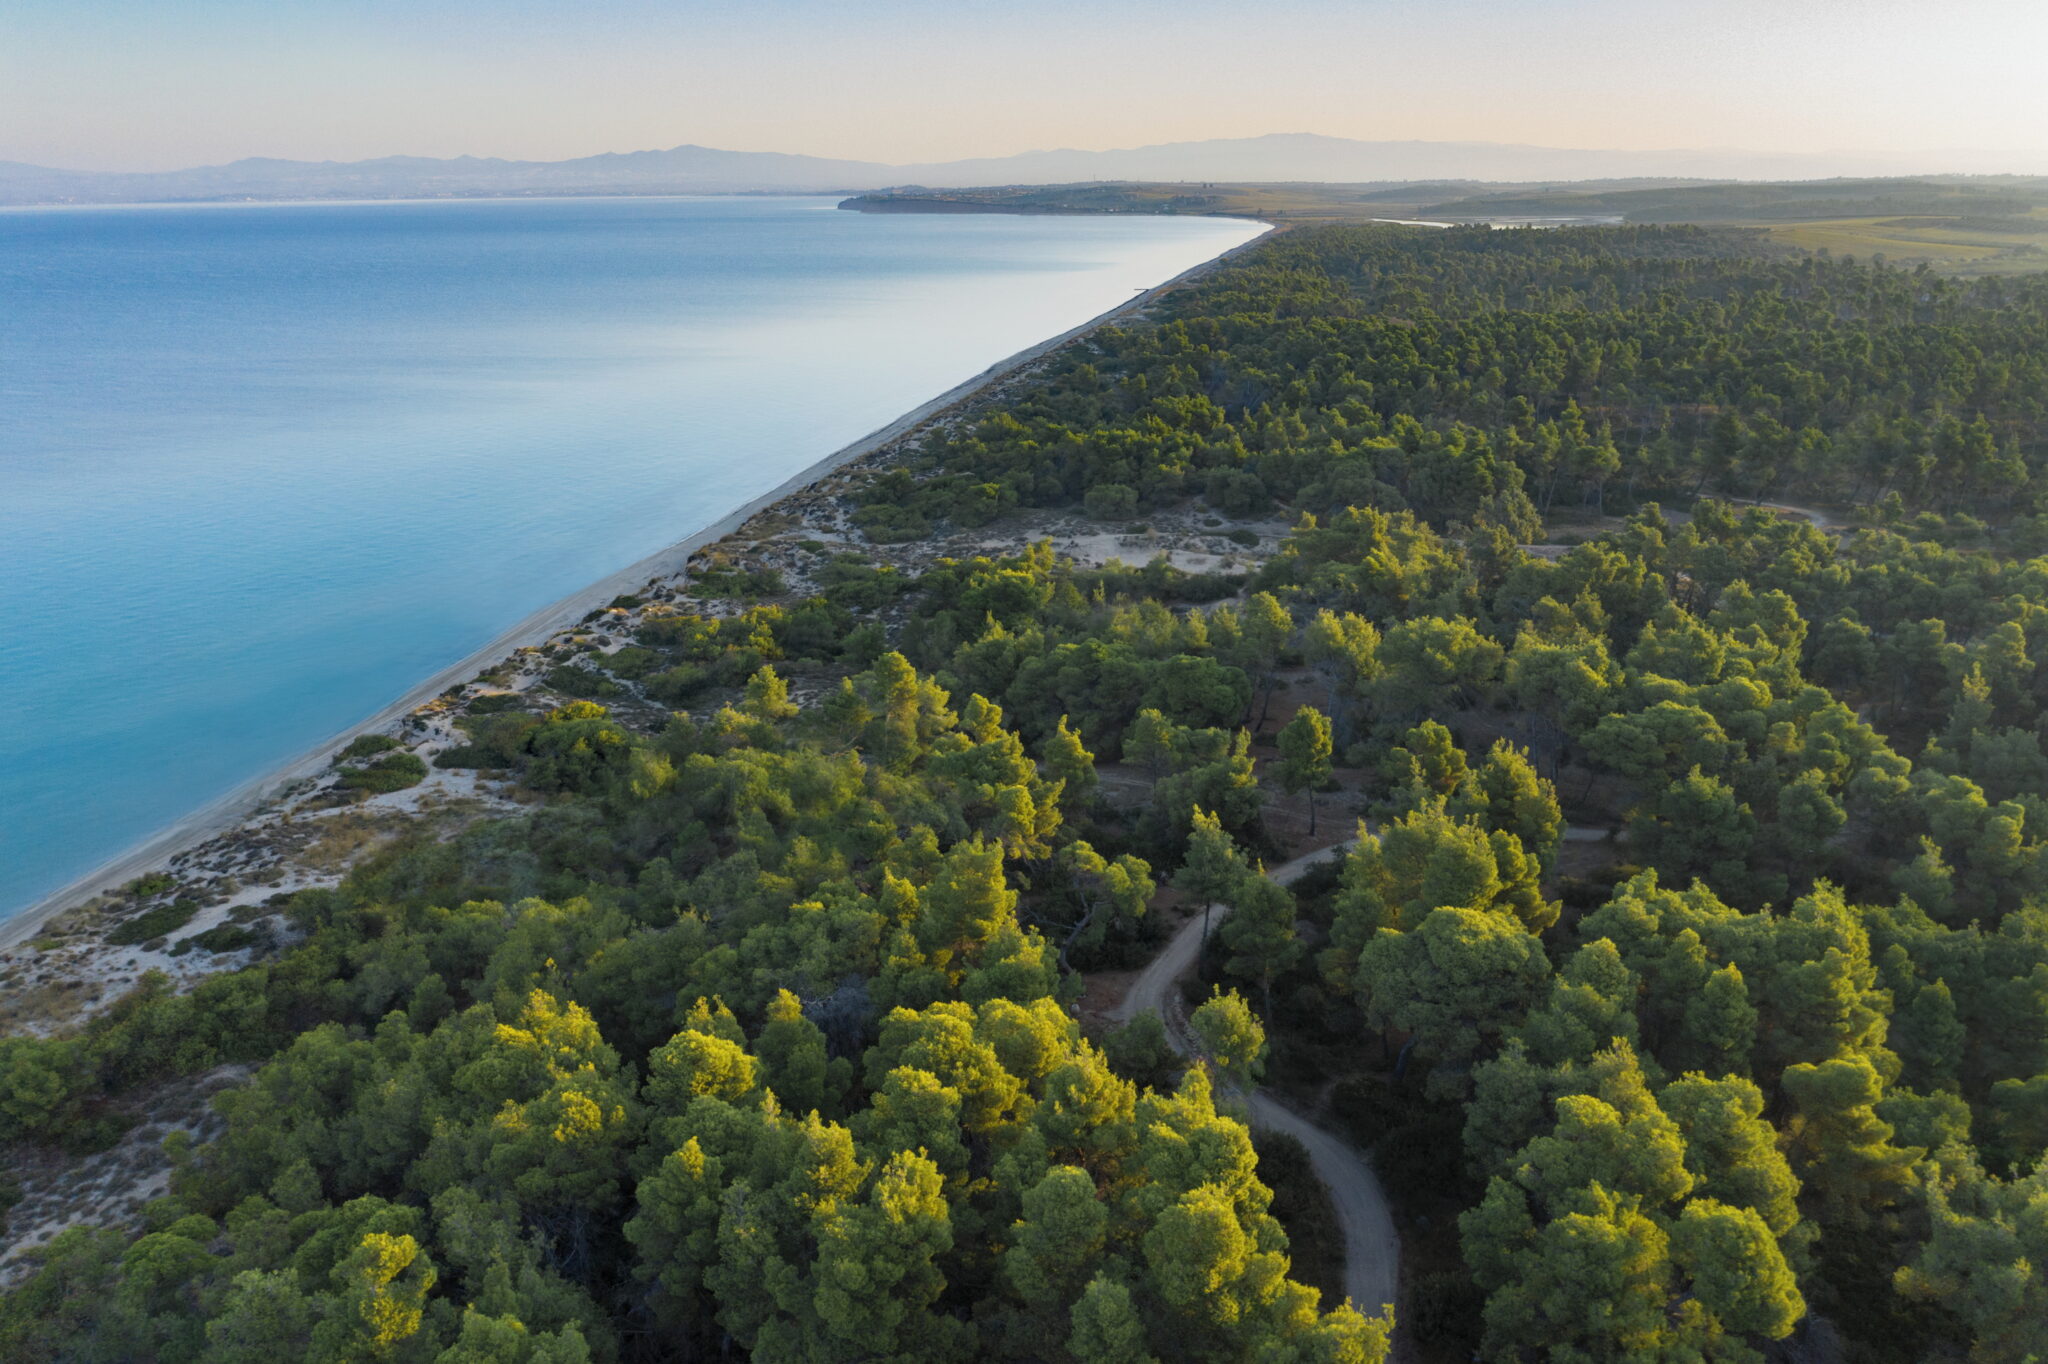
{"x":263,"y":467}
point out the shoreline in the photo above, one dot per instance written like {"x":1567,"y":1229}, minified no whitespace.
{"x":234,"y":807}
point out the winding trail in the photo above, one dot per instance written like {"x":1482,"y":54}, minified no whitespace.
{"x":1819,"y":519}
{"x":1372,"y":1246}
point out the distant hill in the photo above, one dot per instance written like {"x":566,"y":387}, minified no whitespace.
{"x":686,"y":169}
{"x":1311,"y":157}
{"x":1280,"y":157}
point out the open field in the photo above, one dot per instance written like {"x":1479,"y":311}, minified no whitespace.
{"x":1952,"y":245}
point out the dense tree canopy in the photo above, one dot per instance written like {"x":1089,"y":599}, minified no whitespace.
{"x":756,"y":1033}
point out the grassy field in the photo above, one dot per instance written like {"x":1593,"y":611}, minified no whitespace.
{"x":1951,"y":245}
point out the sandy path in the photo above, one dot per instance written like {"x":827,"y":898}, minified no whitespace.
{"x":1820,"y":520}
{"x":237,"y":805}
{"x":1372,"y":1246}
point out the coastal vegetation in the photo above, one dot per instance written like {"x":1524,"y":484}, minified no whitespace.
{"x":1655,"y":614}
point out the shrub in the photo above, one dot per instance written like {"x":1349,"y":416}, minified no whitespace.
{"x":851,"y":582}
{"x":1139,"y":1051}
{"x":864,"y":644}
{"x":1110,"y":502}
{"x":744,"y":584}
{"x":1237,"y":492}
{"x":142,"y":887}
{"x":811,"y":629}
{"x":154,"y":924}
{"x":387,"y":774}
{"x":573,"y":679}
{"x":980,"y":503}
{"x":224,"y":938}
{"x":495,"y":741}
{"x":365,"y":746}
{"x":887,"y":525}
{"x":633,"y":662}
{"x":676,"y":686}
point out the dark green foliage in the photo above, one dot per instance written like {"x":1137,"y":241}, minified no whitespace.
{"x":393,"y":772}
{"x":573,"y":679}
{"x":1466,"y":373}
{"x":515,"y":1104}
{"x":497,"y":739}
{"x":1303,"y":1205}
{"x":365,"y":746}
{"x":513,"y":1089}
{"x":849,"y":581}
{"x":225,"y":938}
{"x":1139,"y":1051}
{"x":632,"y":662}
{"x":153,"y":923}
{"x":725,"y":580}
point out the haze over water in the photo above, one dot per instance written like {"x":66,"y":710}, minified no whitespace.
{"x":264,"y":467}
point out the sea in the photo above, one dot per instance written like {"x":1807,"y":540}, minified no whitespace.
{"x":264,"y":467}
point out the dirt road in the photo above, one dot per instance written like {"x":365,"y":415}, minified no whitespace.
{"x":1372,"y":1246}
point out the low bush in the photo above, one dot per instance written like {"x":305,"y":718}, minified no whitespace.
{"x":387,"y":774}
{"x":365,"y":746}
{"x":494,"y":740}
{"x":852,"y":582}
{"x":632,"y":662}
{"x":679,"y":684}
{"x":154,"y":924}
{"x":889,"y":525}
{"x":738,"y":583}
{"x":1110,"y":502}
{"x":864,"y":644}
{"x":573,"y":679}
{"x":225,"y":938}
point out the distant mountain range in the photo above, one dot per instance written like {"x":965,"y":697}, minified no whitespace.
{"x":707,"y":170}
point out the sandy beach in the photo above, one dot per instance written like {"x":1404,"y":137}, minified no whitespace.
{"x":248,"y":800}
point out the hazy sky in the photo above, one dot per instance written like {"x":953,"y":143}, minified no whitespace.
{"x":156,"y":84}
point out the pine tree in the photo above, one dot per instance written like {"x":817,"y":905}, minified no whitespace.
{"x":1213,"y":868}
{"x":1067,"y":761}
{"x":1229,"y":1035}
{"x":1305,"y":757}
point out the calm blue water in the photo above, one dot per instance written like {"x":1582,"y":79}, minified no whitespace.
{"x":264,"y":467}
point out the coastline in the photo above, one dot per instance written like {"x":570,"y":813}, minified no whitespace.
{"x":237,"y":805}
